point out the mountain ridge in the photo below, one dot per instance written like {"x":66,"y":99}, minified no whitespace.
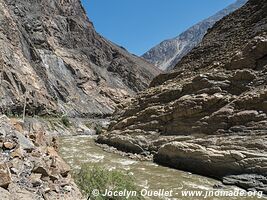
{"x":169,"y":52}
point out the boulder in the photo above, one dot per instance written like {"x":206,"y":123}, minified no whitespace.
{"x":24,"y":142}
{"x":9,"y":145}
{"x":18,"y":152}
{"x":41,"y":169}
{"x":5,"y":175}
{"x":22,"y":194}
{"x":58,"y":163}
{"x":35,"y":180}
{"x":209,"y":161}
{"x":4,"y":194}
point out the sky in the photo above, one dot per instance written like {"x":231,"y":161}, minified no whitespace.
{"x":139,"y":25}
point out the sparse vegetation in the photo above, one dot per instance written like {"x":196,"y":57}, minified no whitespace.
{"x":95,"y":126}
{"x":88,"y":125}
{"x":98,"y":129}
{"x":65,"y":120}
{"x":90,"y":178}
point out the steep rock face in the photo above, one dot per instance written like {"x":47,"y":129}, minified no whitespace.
{"x":52,"y":58}
{"x":169,"y":52}
{"x":210,"y":112}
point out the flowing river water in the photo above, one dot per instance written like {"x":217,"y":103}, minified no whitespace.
{"x":77,"y":150}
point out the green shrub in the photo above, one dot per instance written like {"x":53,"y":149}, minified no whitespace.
{"x":89,"y":125}
{"x":65,"y":120}
{"x":98,"y":129}
{"x":90,"y":178}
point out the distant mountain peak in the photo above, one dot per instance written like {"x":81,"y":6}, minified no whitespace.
{"x":169,"y":52}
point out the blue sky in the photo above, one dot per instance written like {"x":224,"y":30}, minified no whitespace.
{"x":138,"y":25}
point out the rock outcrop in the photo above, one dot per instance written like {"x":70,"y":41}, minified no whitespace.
{"x":209,"y":116}
{"x":30,"y":167}
{"x":169,"y":52}
{"x":53,"y":59}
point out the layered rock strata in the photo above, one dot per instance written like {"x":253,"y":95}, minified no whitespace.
{"x":210,"y":115}
{"x":53,"y":59}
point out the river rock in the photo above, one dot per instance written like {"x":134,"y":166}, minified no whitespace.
{"x":209,"y":161}
{"x":248,"y":181}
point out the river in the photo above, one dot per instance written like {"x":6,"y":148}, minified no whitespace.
{"x":77,"y":150}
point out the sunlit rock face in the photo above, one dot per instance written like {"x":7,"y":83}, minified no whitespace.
{"x":209,"y":116}
{"x":52,"y":57}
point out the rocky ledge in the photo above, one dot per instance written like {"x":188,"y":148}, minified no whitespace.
{"x":30,"y":167}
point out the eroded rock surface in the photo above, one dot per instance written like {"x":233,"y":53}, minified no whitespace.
{"x":52,"y":58}
{"x":209,"y":116}
{"x":30,"y":167}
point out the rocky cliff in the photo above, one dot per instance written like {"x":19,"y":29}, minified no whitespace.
{"x":210,"y":115}
{"x":53,"y":59}
{"x":169,"y":52}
